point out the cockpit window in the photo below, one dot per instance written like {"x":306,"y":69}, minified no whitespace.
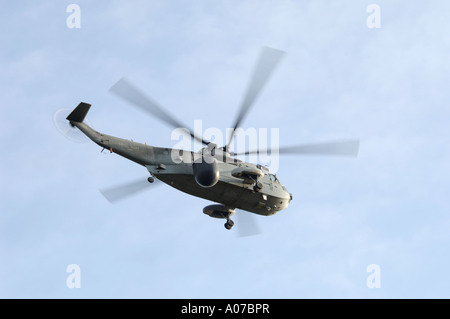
{"x":273,"y":178}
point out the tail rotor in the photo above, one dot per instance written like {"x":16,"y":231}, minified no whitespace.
{"x":66,"y":129}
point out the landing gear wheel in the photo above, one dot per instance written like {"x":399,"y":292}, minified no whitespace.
{"x":229,"y":224}
{"x":150,"y":179}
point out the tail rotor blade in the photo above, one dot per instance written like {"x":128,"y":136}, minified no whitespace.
{"x":63,"y":126}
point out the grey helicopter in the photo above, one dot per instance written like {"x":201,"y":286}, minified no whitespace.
{"x":212,"y":173}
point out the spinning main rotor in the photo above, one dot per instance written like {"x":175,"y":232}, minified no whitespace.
{"x":268,"y":61}
{"x":264,"y":69}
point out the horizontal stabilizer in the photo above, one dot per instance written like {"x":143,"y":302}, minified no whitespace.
{"x":79,"y":113}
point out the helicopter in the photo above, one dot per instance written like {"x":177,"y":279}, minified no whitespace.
{"x":213,"y":173}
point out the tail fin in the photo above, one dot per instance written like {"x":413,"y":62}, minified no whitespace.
{"x":79,"y":113}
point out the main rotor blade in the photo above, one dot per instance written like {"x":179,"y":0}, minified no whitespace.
{"x":130,"y":93}
{"x":268,"y":60}
{"x":349,"y":148}
{"x":246,"y":224}
{"x":123,"y":191}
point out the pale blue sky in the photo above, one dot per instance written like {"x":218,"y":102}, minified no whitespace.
{"x":339,"y":79}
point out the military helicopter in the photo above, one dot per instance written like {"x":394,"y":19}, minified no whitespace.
{"x":213,"y":173}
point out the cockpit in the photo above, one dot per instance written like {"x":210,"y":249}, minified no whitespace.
{"x":274,"y":179}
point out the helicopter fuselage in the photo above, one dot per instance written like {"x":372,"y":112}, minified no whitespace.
{"x":177,"y":171}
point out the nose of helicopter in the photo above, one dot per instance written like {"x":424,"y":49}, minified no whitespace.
{"x":287,"y":192}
